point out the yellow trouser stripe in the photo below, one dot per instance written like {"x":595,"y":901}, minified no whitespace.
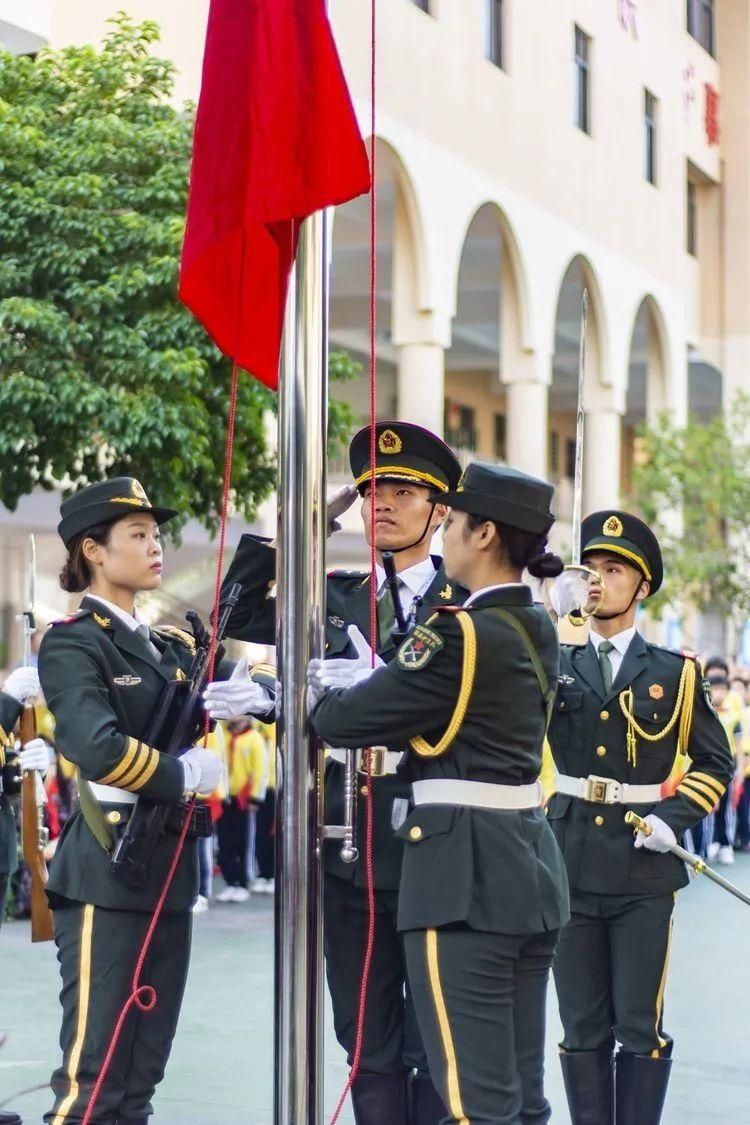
{"x":662,"y":984}
{"x":84,"y":988}
{"x":454,"y":1090}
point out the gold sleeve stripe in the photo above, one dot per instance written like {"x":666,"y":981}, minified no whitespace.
{"x":5,"y":739}
{"x":137,"y":752}
{"x":468,"y":671}
{"x":701,"y":787}
{"x":147,"y":773}
{"x":2,"y":755}
{"x":130,"y":779}
{"x":707,"y":806}
{"x":696,"y":775}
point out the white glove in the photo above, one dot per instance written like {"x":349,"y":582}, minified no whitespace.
{"x":202,"y":770}
{"x":569,"y":591}
{"x":340,"y":672}
{"x":239,"y":695}
{"x":661,"y":837}
{"x":22,"y":684}
{"x":339,"y":503}
{"x":35,"y":755}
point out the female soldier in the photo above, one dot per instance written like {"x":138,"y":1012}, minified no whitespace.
{"x":483,"y":890}
{"x":102,"y":672}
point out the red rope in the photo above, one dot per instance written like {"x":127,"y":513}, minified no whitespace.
{"x":369,"y":868}
{"x":144,"y":996}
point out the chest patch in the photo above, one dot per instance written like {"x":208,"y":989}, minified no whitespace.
{"x":656,"y":691}
{"x":418,"y":650}
{"x":127,"y":681}
{"x":337,"y":622}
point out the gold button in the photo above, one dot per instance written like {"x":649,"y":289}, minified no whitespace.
{"x":601,"y":751}
{"x":114,"y":817}
{"x":415,"y":833}
{"x":364,"y":790}
{"x":598,"y":821}
{"x":604,"y":715}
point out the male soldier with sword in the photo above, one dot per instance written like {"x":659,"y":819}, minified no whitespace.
{"x":633,"y":729}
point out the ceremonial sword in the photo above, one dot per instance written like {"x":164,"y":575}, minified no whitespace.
{"x":698,"y":865}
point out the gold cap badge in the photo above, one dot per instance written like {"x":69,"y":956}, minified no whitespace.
{"x":390,"y":443}
{"x":139,"y":491}
{"x":656,"y":691}
{"x":612,"y":526}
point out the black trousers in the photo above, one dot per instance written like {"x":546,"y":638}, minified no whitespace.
{"x":391,"y":1043}
{"x":264,"y":836}
{"x":233,"y":834}
{"x":481,"y":1003}
{"x":97,"y":950}
{"x":725,"y":824}
{"x":610,"y":972}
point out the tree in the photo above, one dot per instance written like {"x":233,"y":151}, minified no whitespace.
{"x":692,"y":485}
{"x":102,"y":371}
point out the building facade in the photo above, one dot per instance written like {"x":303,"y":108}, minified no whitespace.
{"x":526,"y":149}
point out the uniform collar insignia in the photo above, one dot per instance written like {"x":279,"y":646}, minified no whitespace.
{"x":446,"y":593}
{"x":105,"y":622}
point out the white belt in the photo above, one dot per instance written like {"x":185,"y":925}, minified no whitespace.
{"x":606,"y":791}
{"x":384,"y":761}
{"x":111,"y":795}
{"x":477,"y":794}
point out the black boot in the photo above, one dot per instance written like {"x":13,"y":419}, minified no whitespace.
{"x":589,"y":1086}
{"x":9,"y":1118}
{"x":641,"y":1088}
{"x":378,"y":1099}
{"x":425,"y":1104}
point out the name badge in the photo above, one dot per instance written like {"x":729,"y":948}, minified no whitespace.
{"x":127,"y":681}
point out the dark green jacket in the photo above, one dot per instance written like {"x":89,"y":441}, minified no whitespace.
{"x":588,"y":736}
{"x":499,"y":871}
{"x":347,"y":603}
{"x":102,"y":685}
{"x":10,"y":709}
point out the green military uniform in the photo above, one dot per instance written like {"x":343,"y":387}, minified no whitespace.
{"x":653,"y":724}
{"x":483,"y":891}
{"x":10,"y":710}
{"x":102,"y":682}
{"x":391,"y":1041}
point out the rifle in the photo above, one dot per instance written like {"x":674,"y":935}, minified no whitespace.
{"x":171,"y":730}
{"x":34,"y":833}
{"x":400,"y":628}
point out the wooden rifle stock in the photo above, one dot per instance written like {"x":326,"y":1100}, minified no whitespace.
{"x":34,"y":836}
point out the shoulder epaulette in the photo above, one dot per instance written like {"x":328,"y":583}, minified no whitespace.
{"x":681,"y":653}
{"x":77,"y":616}
{"x":179,"y":634}
{"x":341,"y":573}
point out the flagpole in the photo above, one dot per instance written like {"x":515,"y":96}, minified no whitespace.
{"x":303,"y":419}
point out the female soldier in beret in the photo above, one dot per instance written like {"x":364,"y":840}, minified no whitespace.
{"x":102,"y":672}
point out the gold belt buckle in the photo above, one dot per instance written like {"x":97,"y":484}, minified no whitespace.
{"x":373,"y":761}
{"x":597,"y":789}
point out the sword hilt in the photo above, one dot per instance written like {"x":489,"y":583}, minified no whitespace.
{"x":637,"y":823}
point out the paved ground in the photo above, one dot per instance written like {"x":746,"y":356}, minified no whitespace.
{"x":220,"y":1072}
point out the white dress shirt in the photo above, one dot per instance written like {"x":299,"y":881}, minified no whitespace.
{"x":132,"y":620}
{"x":621,"y":641}
{"x":415,"y":581}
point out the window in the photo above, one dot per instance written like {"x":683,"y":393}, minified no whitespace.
{"x":460,"y":426}
{"x":554,"y":454}
{"x":493,"y":31}
{"x":649,"y":136}
{"x":700,"y":23}
{"x":570,"y":458}
{"x":691,"y":236}
{"x":501,"y":452}
{"x":582,"y":50}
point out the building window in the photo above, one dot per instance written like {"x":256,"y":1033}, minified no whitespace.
{"x":701,"y":23}
{"x":501,"y":442}
{"x":649,"y":136}
{"x":461,"y":426}
{"x":570,"y":458}
{"x":582,"y":51}
{"x":692,"y":219}
{"x":493,"y":32}
{"x":554,"y":454}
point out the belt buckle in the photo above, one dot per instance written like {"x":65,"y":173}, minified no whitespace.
{"x":373,"y":761}
{"x":600,"y":790}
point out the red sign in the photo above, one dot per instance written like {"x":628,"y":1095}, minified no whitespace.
{"x":711,"y":119}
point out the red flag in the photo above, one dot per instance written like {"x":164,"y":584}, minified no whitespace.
{"x":276,"y":139}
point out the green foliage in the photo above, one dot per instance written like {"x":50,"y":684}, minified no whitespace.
{"x":102,"y":370}
{"x":692,"y":485}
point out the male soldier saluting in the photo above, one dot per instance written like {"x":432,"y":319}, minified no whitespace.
{"x":411,"y":464}
{"x":633,"y":726}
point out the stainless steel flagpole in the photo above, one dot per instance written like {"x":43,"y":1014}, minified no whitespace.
{"x":303,"y":420}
